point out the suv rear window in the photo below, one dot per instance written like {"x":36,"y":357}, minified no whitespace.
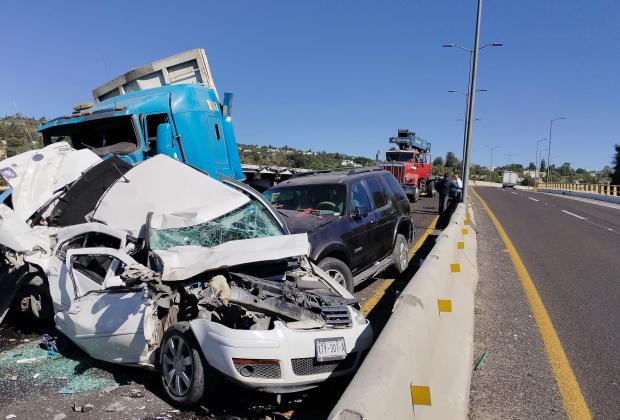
{"x":377,"y":192}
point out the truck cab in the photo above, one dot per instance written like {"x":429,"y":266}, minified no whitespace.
{"x":170,"y":107}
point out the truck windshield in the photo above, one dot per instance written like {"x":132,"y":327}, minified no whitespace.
{"x":321,"y":199}
{"x":103,"y":136}
{"x":249,"y":221}
{"x":399,"y":156}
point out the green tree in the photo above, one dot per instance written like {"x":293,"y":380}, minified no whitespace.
{"x":615,"y":177}
{"x":451,"y":160}
{"x":531,"y":166}
{"x":543,"y":166}
{"x":438,"y":161}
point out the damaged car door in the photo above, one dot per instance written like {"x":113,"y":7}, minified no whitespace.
{"x":104,"y":317}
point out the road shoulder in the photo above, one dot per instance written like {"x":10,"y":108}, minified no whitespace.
{"x":516,"y":380}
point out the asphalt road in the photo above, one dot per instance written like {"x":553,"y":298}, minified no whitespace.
{"x":31,"y":383}
{"x":571,"y":250}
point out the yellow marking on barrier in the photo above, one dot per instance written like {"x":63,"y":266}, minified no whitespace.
{"x":465,"y":231}
{"x":570,"y":391}
{"x":420,"y":395}
{"x":466,"y":222}
{"x":378,"y":294}
{"x":460,"y":245}
{"x":444,"y":305}
{"x":455,"y":268}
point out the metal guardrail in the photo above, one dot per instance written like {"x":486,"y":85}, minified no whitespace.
{"x":603,"y":189}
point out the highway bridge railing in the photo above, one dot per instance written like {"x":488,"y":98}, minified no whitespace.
{"x":603,"y":189}
{"x":421,"y":364}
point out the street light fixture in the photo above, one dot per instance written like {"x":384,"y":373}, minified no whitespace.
{"x":549,"y":153}
{"x":491,"y":165}
{"x":537,"y":172}
{"x":471,"y":90}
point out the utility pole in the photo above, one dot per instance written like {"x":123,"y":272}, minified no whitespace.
{"x":549,"y":153}
{"x":491,"y":165}
{"x":537,"y":172}
{"x":471,"y":103}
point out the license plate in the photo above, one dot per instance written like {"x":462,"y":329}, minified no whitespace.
{"x":330,"y":349}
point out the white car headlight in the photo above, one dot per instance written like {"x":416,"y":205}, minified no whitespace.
{"x":358,"y":317}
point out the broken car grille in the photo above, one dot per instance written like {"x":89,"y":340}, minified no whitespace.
{"x":337,"y":316}
{"x":309,"y":365}
{"x":253,"y":370}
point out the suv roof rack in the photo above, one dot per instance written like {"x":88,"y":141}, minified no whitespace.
{"x":343,"y":171}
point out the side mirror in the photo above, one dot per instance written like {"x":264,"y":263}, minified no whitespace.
{"x":227,"y":105}
{"x":359,"y":212}
{"x":164,"y":143}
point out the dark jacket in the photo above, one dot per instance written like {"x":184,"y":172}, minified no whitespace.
{"x":444,"y":186}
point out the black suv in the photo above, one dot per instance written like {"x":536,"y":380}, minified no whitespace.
{"x":358,"y":221}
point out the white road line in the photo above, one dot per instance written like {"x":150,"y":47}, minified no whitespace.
{"x":533,"y":199}
{"x":513,"y":193}
{"x":575,"y":215}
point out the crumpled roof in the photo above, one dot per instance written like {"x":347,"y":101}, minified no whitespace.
{"x":166,"y":186}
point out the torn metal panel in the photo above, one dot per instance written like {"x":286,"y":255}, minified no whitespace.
{"x":163,"y":185}
{"x":36,"y":175}
{"x":183,"y":262}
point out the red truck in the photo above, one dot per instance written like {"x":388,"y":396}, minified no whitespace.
{"x":410,"y":163}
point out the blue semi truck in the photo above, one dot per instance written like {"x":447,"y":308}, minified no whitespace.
{"x":170,"y":106}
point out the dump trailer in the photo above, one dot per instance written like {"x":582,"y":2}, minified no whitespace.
{"x":170,"y":106}
{"x":410,"y":163}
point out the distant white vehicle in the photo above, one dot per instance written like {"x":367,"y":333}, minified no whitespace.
{"x":509,"y":180}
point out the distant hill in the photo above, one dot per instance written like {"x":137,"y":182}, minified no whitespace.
{"x":18,"y":135}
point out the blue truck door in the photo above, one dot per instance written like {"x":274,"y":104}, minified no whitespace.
{"x":218,"y":146}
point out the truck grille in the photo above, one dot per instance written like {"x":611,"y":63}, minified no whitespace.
{"x":309,"y":365}
{"x":255,"y":370}
{"x":337,"y":316}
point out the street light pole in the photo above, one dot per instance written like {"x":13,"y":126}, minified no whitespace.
{"x":549,"y":153}
{"x":471,"y":102}
{"x":491,"y":165}
{"x":536,"y":172}
{"x":466,"y":107}
{"x":510,"y":155}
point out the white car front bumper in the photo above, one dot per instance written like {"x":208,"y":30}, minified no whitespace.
{"x":290,"y":353}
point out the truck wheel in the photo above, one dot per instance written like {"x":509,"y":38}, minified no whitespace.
{"x":183,"y":368}
{"x":430,"y":189}
{"x":415,"y":195}
{"x":338,"y":271}
{"x":400,"y":253}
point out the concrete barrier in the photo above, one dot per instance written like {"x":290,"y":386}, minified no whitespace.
{"x":420,"y":366}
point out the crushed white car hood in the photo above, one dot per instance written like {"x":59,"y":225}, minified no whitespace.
{"x":36,"y":175}
{"x":183,"y":262}
{"x":163,"y":185}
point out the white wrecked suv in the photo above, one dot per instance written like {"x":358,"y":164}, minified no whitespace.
{"x":173,"y":270}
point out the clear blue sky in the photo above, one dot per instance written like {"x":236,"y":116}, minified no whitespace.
{"x":344,"y":75}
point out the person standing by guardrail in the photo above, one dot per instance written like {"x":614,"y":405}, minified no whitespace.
{"x":443,"y":187}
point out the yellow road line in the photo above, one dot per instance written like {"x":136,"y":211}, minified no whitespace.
{"x":378,"y":294}
{"x":570,"y":391}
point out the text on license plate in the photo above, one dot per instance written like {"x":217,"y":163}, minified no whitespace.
{"x":330,"y":349}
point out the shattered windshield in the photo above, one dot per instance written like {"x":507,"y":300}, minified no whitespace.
{"x":321,"y":199}
{"x":249,"y":221}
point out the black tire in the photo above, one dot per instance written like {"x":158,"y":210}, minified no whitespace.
{"x":35,"y":290}
{"x":430,"y":189}
{"x":339,"y":271}
{"x":400,"y":253}
{"x":197,"y":385}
